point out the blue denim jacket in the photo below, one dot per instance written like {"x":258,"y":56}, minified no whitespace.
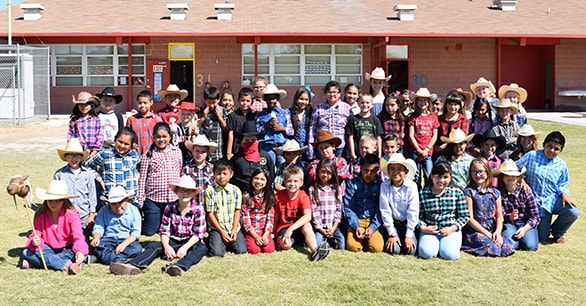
{"x":269,"y":135}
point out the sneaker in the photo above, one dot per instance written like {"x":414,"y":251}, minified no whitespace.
{"x":118,"y":268}
{"x":74,"y":269}
{"x":91,"y":259}
{"x":321,"y":252}
{"x":24,"y":264}
{"x":173,"y":270}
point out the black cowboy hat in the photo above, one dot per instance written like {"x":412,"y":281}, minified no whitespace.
{"x":249,"y":128}
{"x":489,"y":134}
{"x":110,"y":92}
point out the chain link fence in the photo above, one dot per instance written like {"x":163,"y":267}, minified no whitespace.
{"x":24,"y":84}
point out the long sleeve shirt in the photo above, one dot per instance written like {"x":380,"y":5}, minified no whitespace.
{"x":178,"y":227}
{"x":81,"y":184}
{"x":443,"y":210}
{"x":270,"y":136}
{"x":523,"y":201}
{"x":66,"y":232}
{"x":332,"y":118}
{"x":156,"y":173}
{"x":89,"y":132}
{"x":116,"y":169}
{"x":326,"y":208}
{"x":143,"y":127}
{"x":254,"y":215}
{"x":361,"y":202}
{"x":401,"y":204}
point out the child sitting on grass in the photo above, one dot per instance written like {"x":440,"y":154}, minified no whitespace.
{"x":182,"y":231}
{"x":293,"y":216}
{"x":258,"y":213}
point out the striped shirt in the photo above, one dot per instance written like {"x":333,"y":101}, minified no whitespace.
{"x":331,"y":118}
{"x":444,"y":210}
{"x":181,"y":228}
{"x":143,"y":127}
{"x":329,"y":209}
{"x":156,"y":173}
{"x":203,"y":177}
{"x":523,"y":201}
{"x":254,"y":215}
{"x":89,"y":132}
{"x":116,"y":169}
{"x":223,"y":202}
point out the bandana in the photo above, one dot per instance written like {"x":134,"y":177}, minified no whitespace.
{"x":250,"y":151}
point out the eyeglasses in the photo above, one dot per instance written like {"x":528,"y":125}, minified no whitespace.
{"x":479,"y":172}
{"x":333,"y":93}
{"x":259,"y":87}
{"x":406,"y":101}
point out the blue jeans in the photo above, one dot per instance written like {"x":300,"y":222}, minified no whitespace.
{"x":152,"y":214}
{"x":338,"y":242}
{"x":426,"y":165}
{"x":448,"y":247}
{"x":55,"y":259}
{"x":217,"y":246}
{"x":106,"y":250}
{"x":155,"y":249}
{"x":401,"y":228}
{"x":529,"y":240}
{"x":567,"y":215}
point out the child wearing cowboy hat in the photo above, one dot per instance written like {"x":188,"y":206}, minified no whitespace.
{"x":378,"y":80}
{"x":111,"y":119}
{"x":526,"y":141}
{"x":488,"y":143}
{"x":117,"y":228}
{"x":455,"y":154}
{"x":172,"y":96}
{"x":182,"y":232}
{"x":199,"y":168}
{"x":80,"y":181}
{"x":58,"y":232}
{"x":326,"y":144}
{"x":291,"y":153}
{"x":506,"y":127}
{"x":84,"y":123}
{"x":517,"y":95}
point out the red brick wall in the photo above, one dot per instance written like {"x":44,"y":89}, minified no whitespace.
{"x":570,"y":72}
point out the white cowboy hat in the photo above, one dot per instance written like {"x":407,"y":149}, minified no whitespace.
{"x":272,"y":89}
{"x":291,"y":146}
{"x":202,"y":141}
{"x":398,"y":158}
{"x":173,"y":89}
{"x":378,"y":74}
{"x":527,"y":130}
{"x":57,"y":190}
{"x":186,"y":182}
{"x":84,"y":97}
{"x":423,"y":93}
{"x":72,"y":147}
{"x":509,"y":167}
{"x":482,"y":82}
{"x":457,"y":136}
{"x":116,"y":195}
{"x":514,"y":87}
{"x":506,"y":103}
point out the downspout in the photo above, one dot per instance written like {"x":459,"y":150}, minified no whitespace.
{"x":130,"y":80}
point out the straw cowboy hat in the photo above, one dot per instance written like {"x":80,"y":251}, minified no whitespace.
{"x":514,"y":87}
{"x":249,"y":128}
{"x":482,"y":82}
{"x":457,"y":136}
{"x":506,"y":103}
{"x":378,"y":74}
{"x":188,"y":106}
{"x":202,"y":141}
{"x":478,"y":139}
{"x":291,"y":146}
{"x":84,"y":97}
{"x":57,"y":190}
{"x":527,"y":130}
{"x":509,"y":167}
{"x":110,"y":92}
{"x":173,"y":89}
{"x":398,"y":158}
{"x":116,"y":195}
{"x":423,"y":93}
{"x":186,"y":182}
{"x":73,"y":147}
{"x":272,"y":89}
{"x":466,"y":96}
{"x":326,"y":136}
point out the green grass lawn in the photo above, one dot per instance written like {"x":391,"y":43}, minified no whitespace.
{"x":553,"y":275}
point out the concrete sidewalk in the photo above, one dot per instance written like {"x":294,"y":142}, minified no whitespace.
{"x":575,"y":118}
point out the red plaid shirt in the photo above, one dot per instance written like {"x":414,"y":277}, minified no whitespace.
{"x":254,"y":215}
{"x":392,"y":126}
{"x":329,"y":209}
{"x":143,"y":127}
{"x":156,"y":173}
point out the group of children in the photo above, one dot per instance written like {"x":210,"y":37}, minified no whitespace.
{"x":249,"y":182}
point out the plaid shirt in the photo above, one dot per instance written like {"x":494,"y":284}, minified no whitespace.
{"x":509,"y":132}
{"x":445,"y":209}
{"x":494,"y":162}
{"x":331,"y":118}
{"x":258,"y":105}
{"x":254,"y":216}
{"x":329,"y":209}
{"x":446,"y":126}
{"x":214,"y":132}
{"x":523,"y":201}
{"x":203,"y":177}
{"x":392,"y":126}
{"x":117,"y":169}
{"x":460,"y":169}
{"x":181,"y":228}
{"x":548,"y":178}
{"x":156,"y":173}
{"x":89,"y":132}
{"x":143,"y":127}
{"x":223,"y":202}
{"x":341,"y":167}
{"x":479,"y":126}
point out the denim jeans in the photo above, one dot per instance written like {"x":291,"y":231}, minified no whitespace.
{"x":337,"y":242}
{"x":55,"y":259}
{"x":567,"y":215}
{"x":448,"y":247}
{"x":155,"y":249}
{"x":106,"y":250}
{"x":426,"y":165}
{"x":152,"y":214}
{"x":217,"y":246}
{"x":529,"y":241}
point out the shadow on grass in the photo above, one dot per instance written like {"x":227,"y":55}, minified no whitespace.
{"x":25,"y":234}
{"x":15,"y":252}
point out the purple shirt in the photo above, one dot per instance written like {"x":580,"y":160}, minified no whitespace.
{"x":181,"y":228}
{"x":89,"y":132}
{"x":331,"y":118}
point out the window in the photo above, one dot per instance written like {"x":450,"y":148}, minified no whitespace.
{"x":96,"y":65}
{"x":294,"y":64}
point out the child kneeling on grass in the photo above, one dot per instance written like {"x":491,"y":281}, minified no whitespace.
{"x":293,"y":216}
{"x":182,"y":231}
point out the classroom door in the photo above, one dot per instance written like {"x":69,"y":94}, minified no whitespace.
{"x":182,"y":76}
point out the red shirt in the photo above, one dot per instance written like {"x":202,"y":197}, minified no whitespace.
{"x":423,"y":126}
{"x":288,"y":211}
{"x":143,"y":127}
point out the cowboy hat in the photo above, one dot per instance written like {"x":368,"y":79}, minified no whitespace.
{"x":249,"y":128}
{"x":326,"y":136}
{"x":423,"y":93}
{"x":465,"y":95}
{"x":188,"y":106}
{"x":167,"y":117}
{"x":109,"y":92}
{"x":478,"y":139}
{"x":457,"y":136}
{"x":514,"y":87}
{"x":272,"y":89}
{"x":509,"y":167}
{"x":527,"y":130}
{"x":57,"y":190}
{"x":202,"y":141}
{"x":398,"y":158}
{"x":378,"y":74}
{"x":173,"y":89}
{"x":72,"y":147}
{"x":506,"y":103}
{"x":84,"y":97}
{"x":116,"y":195}
{"x":291,"y":146}
{"x":185,"y":182}
{"x":482,"y":82}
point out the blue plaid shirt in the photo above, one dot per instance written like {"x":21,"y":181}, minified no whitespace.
{"x":116,"y":169}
